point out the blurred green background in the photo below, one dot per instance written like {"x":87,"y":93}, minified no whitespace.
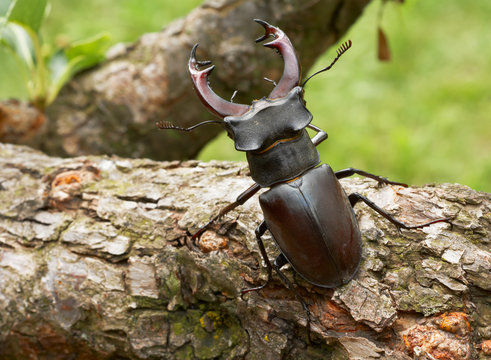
{"x":424,"y":117}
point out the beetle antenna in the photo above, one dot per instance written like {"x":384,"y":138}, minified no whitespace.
{"x":164,"y":125}
{"x":340,"y":51}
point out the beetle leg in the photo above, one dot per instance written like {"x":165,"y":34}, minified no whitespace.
{"x":320,"y":136}
{"x":350,"y":171}
{"x":279,"y":262}
{"x":241,"y":199}
{"x":260,"y":230}
{"x":355,"y":197}
{"x":282,"y":260}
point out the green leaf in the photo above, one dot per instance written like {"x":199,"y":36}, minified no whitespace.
{"x":57,"y":64}
{"x":28,"y":12}
{"x":4,"y":7}
{"x":94,"y":46}
{"x":63,"y":71}
{"x":18,"y":40}
{"x":14,"y":85}
{"x":80,"y":56}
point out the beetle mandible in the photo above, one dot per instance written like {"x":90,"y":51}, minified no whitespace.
{"x":306,"y":210}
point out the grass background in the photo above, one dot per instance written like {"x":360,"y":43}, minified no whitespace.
{"x":424,"y":117}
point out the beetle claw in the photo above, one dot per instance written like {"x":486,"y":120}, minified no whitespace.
{"x":195,"y":62}
{"x":212,"y":101}
{"x":282,"y":44}
{"x":270,"y":30}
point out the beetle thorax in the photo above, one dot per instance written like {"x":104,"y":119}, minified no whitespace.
{"x":273,"y":135}
{"x":269,"y":121}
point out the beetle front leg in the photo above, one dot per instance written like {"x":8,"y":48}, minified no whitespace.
{"x":320,"y":136}
{"x":341,"y":174}
{"x":355,"y":197}
{"x":241,"y":199}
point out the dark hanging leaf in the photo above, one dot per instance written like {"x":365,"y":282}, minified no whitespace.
{"x":383,"y":46}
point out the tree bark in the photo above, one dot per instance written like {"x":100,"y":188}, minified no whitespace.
{"x":113,"y":108}
{"x":96,"y":263}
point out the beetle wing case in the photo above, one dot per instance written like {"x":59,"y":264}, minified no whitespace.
{"x":322,"y":240}
{"x":268,"y":121}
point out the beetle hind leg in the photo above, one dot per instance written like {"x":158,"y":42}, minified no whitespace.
{"x":355,"y":197}
{"x":341,"y":174}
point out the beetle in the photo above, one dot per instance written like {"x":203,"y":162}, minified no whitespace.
{"x":307,"y":212}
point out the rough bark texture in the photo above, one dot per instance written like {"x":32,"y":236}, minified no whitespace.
{"x":113,"y":109}
{"x":96,"y":263}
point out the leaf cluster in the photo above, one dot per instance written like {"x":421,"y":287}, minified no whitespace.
{"x":43,"y":71}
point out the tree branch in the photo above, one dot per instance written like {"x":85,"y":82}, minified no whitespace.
{"x":95,"y":261}
{"x":113,"y":108}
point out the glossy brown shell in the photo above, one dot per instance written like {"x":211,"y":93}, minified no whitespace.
{"x":315,"y":227}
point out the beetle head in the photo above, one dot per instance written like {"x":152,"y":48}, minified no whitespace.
{"x":280,"y":115}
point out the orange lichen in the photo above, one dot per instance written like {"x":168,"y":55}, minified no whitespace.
{"x":64,"y":192}
{"x":211,"y":241}
{"x":19,"y":121}
{"x":455,"y":323}
{"x":66,"y":179}
{"x":486,"y":347}
{"x":441,"y":345}
{"x":247,"y":277}
{"x":334,"y":317}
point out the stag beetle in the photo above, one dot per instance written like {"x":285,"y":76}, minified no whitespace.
{"x":306,"y":210}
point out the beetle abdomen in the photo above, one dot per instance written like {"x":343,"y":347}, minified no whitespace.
{"x":315,"y":227}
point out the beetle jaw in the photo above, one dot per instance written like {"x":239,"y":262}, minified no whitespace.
{"x":291,"y":72}
{"x":208,"y":97}
{"x":223,"y":108}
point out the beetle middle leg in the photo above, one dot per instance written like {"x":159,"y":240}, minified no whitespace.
{"x":279,"y":262}
{"x":260,"y":230}
{"x":241,"y":199}
{"x":355,"y":197}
